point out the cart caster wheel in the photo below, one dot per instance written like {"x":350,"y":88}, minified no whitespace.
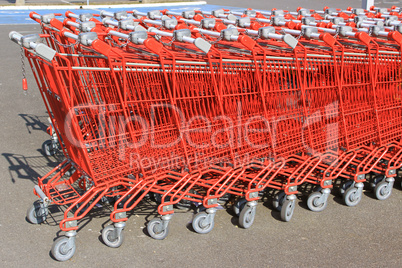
{"x":238,"y":206}
{"x":314,"y":202}
{"x":63,"y":249}
{"x":201,"y":223}
{"x":37,"y":213}
{"x":383,"y":190}
{"x":183,"y":204}
{"x":186,"y":204}
{"x":156,"y":229}
{"x":70,"y":172}
{"x":224,"y":199}
{"x":278,"y":201}
{"x":287,"y":210}
{"x":111,"y":237}
{"x":158,"y":198}
{"x":352,"y":197}
{"x":346,"y":185}
{"x":376,"y":180}
{"x":47,"y":148}
{"x":247,"y":216}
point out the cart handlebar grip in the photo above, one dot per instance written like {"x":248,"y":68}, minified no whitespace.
{"x":35,"y":16}
{"x":118,"y":34}
{"x":158,"y":32}
{"x":70,"y":35}
{"x":191,"y":21}
{"x":108,"y":21}
{"x":137,"y":13}
{"x":42,"y":195}
{"x":105,"y":13}
{"x":155,"y":22}
{"x":184,"y":35}
{"x":31,"y":41}
{"x":70,"y":14}
{"x":173,"y":13}
{"x":71,"y":23}
{"x":15,"y":36}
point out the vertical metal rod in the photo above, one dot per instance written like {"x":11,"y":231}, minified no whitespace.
{"x":366,"y":4}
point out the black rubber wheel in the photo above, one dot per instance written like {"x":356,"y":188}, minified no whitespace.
{"x":346,"y":185}
{"x":278,"y":201}
{"x":155,"y":231}
{"x":247,"y":216}
{"x":198,"y":223}
{"x":383,"y":190}
{"x":109,"y":239}
{"x":238,"y":206}
{"x":287,"y":210}
{"x":375,"y":180}
{"x":352,"y":197}
{"x":37,"y":213}
{"x":47,"y":148}
{"x":60,"y":251}
{"x":313,"y":203}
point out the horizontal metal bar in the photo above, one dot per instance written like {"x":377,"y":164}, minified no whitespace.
{"x":205,"y":70}
{"x":82,"y":56}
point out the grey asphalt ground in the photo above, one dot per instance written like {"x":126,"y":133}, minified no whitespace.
{"x":368,"y":235}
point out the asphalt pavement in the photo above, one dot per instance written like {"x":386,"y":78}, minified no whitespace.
{"x":368,"y":235}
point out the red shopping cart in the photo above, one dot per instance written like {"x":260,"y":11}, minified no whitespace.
{"x":195,"y":106}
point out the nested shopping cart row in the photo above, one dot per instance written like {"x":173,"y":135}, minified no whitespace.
{"x":197,"y":106}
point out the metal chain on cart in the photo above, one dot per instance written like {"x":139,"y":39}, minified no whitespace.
{"x":125,"y":44}
{"x":302,"y":31}
{"x":61,"y":44}
{"x":211,"y":42}
{"x":24,"y":79}
{"x":337,"y":32}
{"x":370,"y":31}
{"x":159,"y":38}
{"x":23,"y":63}
{"x":116,"y":44}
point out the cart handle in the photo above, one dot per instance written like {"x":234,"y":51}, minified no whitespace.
{"x":184,"y":35}
{"x":31,"y":42}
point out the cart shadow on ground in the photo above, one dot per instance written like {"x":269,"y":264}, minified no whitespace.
{"x":35,"y":122}
{"x":30,"y":167}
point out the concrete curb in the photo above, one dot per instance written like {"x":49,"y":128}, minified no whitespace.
{"x":101,"y":6}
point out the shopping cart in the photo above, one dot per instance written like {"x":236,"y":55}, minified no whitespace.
{"x":195,"y":106}
{"x":362,"y":38}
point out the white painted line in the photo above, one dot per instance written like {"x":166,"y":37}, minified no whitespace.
{"x":102,"y":6}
